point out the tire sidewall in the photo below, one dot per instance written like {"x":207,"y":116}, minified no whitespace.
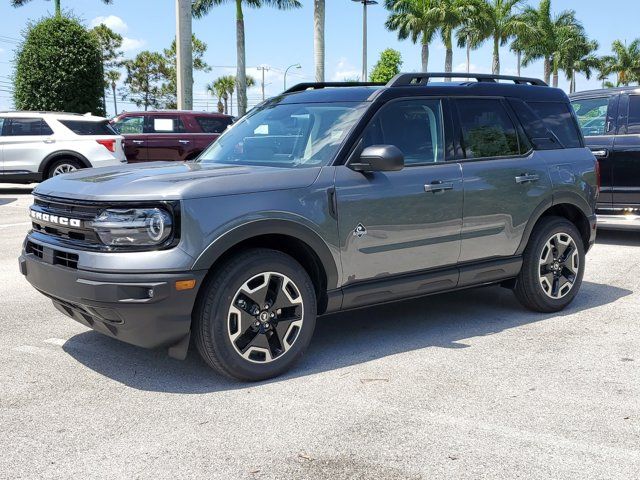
{"x":63,"y":161}
{"x":218,"y":323}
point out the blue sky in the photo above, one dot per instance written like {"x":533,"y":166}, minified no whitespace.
{"x":278,"y":39}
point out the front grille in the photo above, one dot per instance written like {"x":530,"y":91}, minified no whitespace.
{"x":65,"y":259}
{"x":35,"y":249}
{"x":52,"y":256}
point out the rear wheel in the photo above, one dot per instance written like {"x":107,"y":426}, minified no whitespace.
{"x":62,"y":166}
{"x":256,"y":315}
{"x":553,"y":266}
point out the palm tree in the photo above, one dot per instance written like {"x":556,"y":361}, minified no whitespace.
{"x":58,"y":7}
{"x":318,"y":38}
{"x":449,"y":15}
{"x":411,"y":19}
{"x":202,"y":7}
{"x":577,"y":56}
{"x":545,"y":34}
{"x":625,"y":62}
{"x":219,"y":89}
{"x":112,"y":77}
{"x":495,"y":19}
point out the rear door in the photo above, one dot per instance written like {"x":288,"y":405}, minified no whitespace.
{"x":167,"y":138}
{"x":131,"y":127}
{"x":26,"y":143}
{"x":504,"y":179}
{"x":625,"y":161}
{"x":597,"y":117}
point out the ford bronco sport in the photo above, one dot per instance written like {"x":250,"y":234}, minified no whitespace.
{"x":325,"y":198}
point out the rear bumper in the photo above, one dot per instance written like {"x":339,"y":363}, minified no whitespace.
{"x":619,"y":222}
{"x":141,"y":309}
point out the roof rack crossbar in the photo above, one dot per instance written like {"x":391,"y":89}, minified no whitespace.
{"x":421,"y":79}
{"x":319,"y":85}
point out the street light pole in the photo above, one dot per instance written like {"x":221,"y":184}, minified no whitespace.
{"x":364,"y":35}
{"x":295,"y":65}
{"x":184,"y":55}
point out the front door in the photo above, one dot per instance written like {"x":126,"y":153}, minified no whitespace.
{"x":135,"y":139}
{"x":392,"y":223}
{"x":597,"y":119}
{"x":502,"y":184}
{"x":625,"y":160}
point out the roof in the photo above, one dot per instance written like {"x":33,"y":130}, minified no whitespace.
{"x":55,"y":115}
{"x":605,"y":91}
{"x":173,"y":112}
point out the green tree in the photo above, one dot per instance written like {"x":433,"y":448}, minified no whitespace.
{"x":112,"y":77}
{"x":544,"y":36}
{"x":202,"y":7}
{"x":171,"y":83}
{"x":448,"y":15}
{"x":387,"y":67}
{"x":411,"y":20}
{"x":624,"y":63}
{"x":110,"y":45}
{"x":58,"y":7}
{"x":58,"y":68}
{"x":498,"y":20}
{"x":146,"y":75}
{"x":577,"y":56}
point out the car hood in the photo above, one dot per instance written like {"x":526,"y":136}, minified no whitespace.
{"x":173,"y":181}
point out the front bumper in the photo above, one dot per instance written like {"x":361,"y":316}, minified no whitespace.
{"x":141,"y":309}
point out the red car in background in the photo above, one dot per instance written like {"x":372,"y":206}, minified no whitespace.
{"x":168,"y":134}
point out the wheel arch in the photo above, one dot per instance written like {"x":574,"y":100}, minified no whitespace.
{"x":52,"y":157}
{"x":289,"y":237}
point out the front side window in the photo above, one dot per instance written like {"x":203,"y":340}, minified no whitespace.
{"x":129,"y":125}
{"x":2,"y":122}
{"x":487,"y":129}
{"x":286,"y":135}
{"x":592,"y":115}
{"x":633,"y":122}
{"x":26,"y":127}
{"x":414,"y":126}
{"x":557,"y":117}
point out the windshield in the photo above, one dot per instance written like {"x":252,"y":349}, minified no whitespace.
{"x":286,"y":135}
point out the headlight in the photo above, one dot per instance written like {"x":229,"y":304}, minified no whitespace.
{"x":135,"y":227}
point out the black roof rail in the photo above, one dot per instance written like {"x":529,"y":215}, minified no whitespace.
{"x":319,"y":85}
{"x":421,"y":79}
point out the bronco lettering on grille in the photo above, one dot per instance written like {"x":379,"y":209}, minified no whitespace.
{"x":55,"y":219}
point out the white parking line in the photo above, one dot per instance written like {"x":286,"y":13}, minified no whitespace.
{"x":15,"y":224}
{"x":55,"y":341}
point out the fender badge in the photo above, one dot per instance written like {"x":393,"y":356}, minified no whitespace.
{"x":360,"y":231}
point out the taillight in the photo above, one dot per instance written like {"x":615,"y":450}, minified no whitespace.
{"x":598,"y":179}
{"x":108,"y":144}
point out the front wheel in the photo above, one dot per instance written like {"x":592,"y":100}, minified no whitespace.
{"x":62,"y":166}
{"x":553,"y":266}
{"x":256,"y":315}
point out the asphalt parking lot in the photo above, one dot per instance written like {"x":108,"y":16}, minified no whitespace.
{"x":463,"y":385}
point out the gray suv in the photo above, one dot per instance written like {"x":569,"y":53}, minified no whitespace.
{"x":326,"y":198}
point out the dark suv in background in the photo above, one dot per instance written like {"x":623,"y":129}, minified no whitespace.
{"x":610,"y":122}
{"x":168,"y":135}
{"x":319,"y":200}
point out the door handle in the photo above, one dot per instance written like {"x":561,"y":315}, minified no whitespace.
{"x":527,"y":178}
{"x":600,"y":153}
{"x":49,"y":141}
{"x":137,"y":142}
{"x":184,"y":142}
{"x":438,"y":186}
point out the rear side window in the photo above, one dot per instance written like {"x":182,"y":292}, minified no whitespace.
{"x":213,"y":124}
{"x":633,"y":122}
{"x":17,"y":127}
{"x":166,"y":125}
{"x":487,"y":129}
{"x":557,"y":117}
{"x":80,"y":127}
{"x":592,"y":115}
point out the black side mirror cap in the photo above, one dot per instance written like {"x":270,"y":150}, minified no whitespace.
{"x":379,"y":158}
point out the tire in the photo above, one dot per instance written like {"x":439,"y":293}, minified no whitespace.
{"x":241,"y":342}
{"x":536,"y":287}
{"x":63,"y":165}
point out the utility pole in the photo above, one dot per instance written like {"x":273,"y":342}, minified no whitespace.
{"x":184,"y":55}
{"x":264,"y":69}
{"x":364,"y":35}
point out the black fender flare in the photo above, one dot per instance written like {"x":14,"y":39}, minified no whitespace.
{"x":257,"y":228}
{"x":62,"y":154}
{"x":564,"y":198}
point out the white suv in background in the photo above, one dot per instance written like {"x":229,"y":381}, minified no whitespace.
{"x":35,"y":146}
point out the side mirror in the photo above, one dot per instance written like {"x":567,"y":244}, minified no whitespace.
{"x":379,"y":158}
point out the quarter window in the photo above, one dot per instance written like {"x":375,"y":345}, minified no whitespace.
{"x":213,"y":124}
{"x":633,"y":122}
{"x":414,"y":126}
{"x":557,"y":117}
{"x":487,"y":129}
{"x":592,"y":115}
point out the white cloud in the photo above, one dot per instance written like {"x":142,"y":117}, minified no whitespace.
{"x":130,"y":44}
{"x":473,"y":68}
{"x":1,"y":51}
{"x":344,"y":70}
{"x":114,"y":22}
